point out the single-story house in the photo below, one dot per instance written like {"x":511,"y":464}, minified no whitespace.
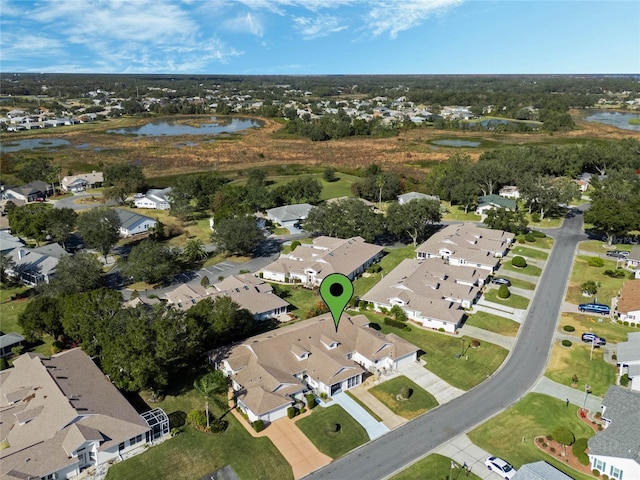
{"x":289,"y":215}
{"x":82,"y":181}
{"x":61,"y":415}
{"x":132,"y":223}
{"x":429,"y":291}
{"x":310,"y":264}
{"x":490,"y":202}
{"x":156,"y":199}
{"x":407,"y":197}
{"x":29,"y":192}
{"x":8,"y":341}
{"x":9,"y":242}
{"x":615,"y":451}
{"x":273,"y":371}
{"x":35,"y":265}
{"x":467,"y":245}
{"x":510,"y":191}
{"x":540,"y":471}
{"x":633,"y":260}
{"x":628,"y":359}
{"x":246,"y":290}
{"x":629,"y":303}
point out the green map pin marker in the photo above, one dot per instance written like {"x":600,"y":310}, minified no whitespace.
{"x":336,"y":291}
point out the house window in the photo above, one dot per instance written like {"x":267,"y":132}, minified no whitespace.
{"x":353,"y":381}
{"x":599,"y":465}
{"x":51,"y":476}
{"x":121,"y":446}
{"x":615,"y":473}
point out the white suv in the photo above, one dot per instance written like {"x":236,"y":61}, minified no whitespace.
{"x":499,"y":466}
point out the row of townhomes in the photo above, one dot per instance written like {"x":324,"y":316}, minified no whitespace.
{"x":446,"y":278}
{"x":273,"y":371}
{"x":60,"y":416}
{"x":310,"y":264}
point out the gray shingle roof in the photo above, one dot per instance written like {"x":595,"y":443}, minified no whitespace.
{"x":130,"y":220}
{"x":289,"y":213}
{"x":540,"y":471}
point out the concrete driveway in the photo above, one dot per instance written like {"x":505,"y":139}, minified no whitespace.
{"x":441,"y":390}
{"x":463,"y":451}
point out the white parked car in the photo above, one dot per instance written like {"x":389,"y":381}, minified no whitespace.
{"x":499,"y":466}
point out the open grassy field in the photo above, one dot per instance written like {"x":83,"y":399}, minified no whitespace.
{"x":567,"y":361}
{"x":434,"y":467}
{"x":419,"y":402}
{"x":493,"y":323}
{"x":608,"y":287}
{"x":334,"y":444}
{"x":510,"y":434}
{"x":514,"y":301}
{"x":529,"y":252}
{"x":442,"y":352}
{"x":612,"y":331}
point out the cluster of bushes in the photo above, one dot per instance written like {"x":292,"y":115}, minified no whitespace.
{"x":578,"y":449}
{"x":569,"y":328}
{"x":258,"y":425}
{"x":311,"y":400}
{"x":396,"y":323}
{"x":624,"y":380}
{"x":198,"y":419}
{"x":596,"y":262}
{"x":294,"y":412}
{"x":375,"y":268}
{"x":617,"y":273}
{"x":503,"y":292}
{"x":519,"y":262}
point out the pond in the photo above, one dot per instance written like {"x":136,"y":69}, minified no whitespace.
{"x":173,"y":127}
{"x":450,"y":142}
{"x":615,"y":119}
{"x":32,"y":144}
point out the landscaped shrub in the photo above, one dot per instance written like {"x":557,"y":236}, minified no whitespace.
{"x":311,"y":400}
{"x":566,"y":343}
{"x":258,"y":425}
{"x":218,"y":426}
{"x":539,"y":234}
{"x":552,"y":450}
{"x":197,"y":418}
{"x":569,"y":328}
{"x":519,"y":262}
{"x":617,"y":273}
{"x":539,"y":439}
{"x":596,"y":262}
{"x":564,"y":436}
{"x":605,"y":477}
{"x":583,"y":458}
{"x":406,"y":392}
{"x":589,"y":288}
{"x":3,"y":364}
{"x":503,"y":292}
{"x":595,"y":472}
{"x":302,"y":410}
{"x":475,"y":343}
{"x":535,"y":217}
{"x":521,"y":240}
{"x":624,"y":380}
{"x":394,"y":323}
{"x":625,"y":323}
{"x":530,"y":237}
{"x":441,"y":329}
{"x":291,"y":412}
{"x":333,"y":428}
{"x":295,"y":244}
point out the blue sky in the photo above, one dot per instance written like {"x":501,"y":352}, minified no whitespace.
{"x":304,"y":37}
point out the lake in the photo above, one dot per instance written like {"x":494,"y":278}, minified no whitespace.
{"x":173,"y":127}
{"x":450,"y":142}
{"x":615,"y":119}
{"x":32,"y":144}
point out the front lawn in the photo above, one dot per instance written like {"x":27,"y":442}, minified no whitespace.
{"x":435,"y":467}
{"x":598,"y":247}
{"x":528,"y":270}
{"x":607,"y":289}
{"x":567,"y":361}
{"x":9,"y":312}
{"x":493,"y":323}
{"x":510,"y":434}
{"x":317,"y":427}
{"x":392,"y":258}
{"x":443,"y":351}
{"x":529,"y":252}
{"x":514,"y":301}
{"x":611,"y":331}
{"x":546,"y":242}
{"x":456,"y":213}
{"x":516,"y":282}
{"x":389,"y":393}
{"x":302,"y":299}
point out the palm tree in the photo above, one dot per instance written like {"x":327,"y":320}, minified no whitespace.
{"x":194,"y":251}
{"x":209,"y":385}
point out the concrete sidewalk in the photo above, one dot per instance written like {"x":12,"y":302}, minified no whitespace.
{"x":373,"y":427}
{"x":563,"y":392}
{"x":390,"y":419}
{"x":441,"y":390}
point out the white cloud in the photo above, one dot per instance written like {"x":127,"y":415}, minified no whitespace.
{"x":249,"y":23}
{"x":396,"y":16}
{"x":321,"y":26}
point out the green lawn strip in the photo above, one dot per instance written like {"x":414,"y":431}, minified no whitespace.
{"x":419,"y":402}
{"x":441,"y":351}
{"x":9,"y":312}
{"x":302,"y":299}
{"x":493,"y":323}
{"x":608,"y":287}
{"x":363,"y":405}
{"x":568,"y":361}
{"x":613,"y":332}
{"x":516,"y":282}
{"x":548,"y":222}
{"x":8,"y":291}
{"x":597,"y":246}
{"x":434,"y":467}
{"x":392,"y":258}
{"x":514,"y":301}
{"x":529,"y":252}
{"x":457,"y":214}
{"x":316,"y":427}
{"x":510,"y":434}
{"x":546,"y":242}
{"x":528,"y":270}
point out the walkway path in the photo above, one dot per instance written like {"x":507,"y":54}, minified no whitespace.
{"x":373,"y":427}
{"x":441,"y":390}
{"x":487,"y":336}
{"x":390,"y":419}
{"x":563,"y":392}
{"x":463,"y":451}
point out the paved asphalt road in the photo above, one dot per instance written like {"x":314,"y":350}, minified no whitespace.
{"x":400,"y":447}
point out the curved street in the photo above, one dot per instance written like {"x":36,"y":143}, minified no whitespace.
{"x":525,"y":364}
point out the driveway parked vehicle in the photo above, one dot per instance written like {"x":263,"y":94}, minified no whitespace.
{"x":499,"y":466}
{"x":501,"y":281}
{"x":618,"y":254}
{"x":589,"y":337}
{"x":594,"y":308}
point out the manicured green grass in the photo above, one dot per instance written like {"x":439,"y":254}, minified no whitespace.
{"x":434,"y":467}
{"x":529,"y":252}
{"x":363,"y":405}
{"x":510,"y":434}
{"x":302,"y":299}
{"x":456,"y":213}
{"x":596,"y":246}
{"x":315,"y":427}
{"x":582,"y":271}
{"x":546,"y":242}
{"x":493,"y":323}
{"x":528,"y":270}
{"x":516,"y":282}
{"x":9,"y":312}
{"x":567,"y":361}
{"x":547,"y":222}
{"x":441,"y":351}
{"x":613,"y":332}
{"x":419,"y":402}
{"x":340,"y":188}
{"x":514,"y":301}
{"x":393,"y":256}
